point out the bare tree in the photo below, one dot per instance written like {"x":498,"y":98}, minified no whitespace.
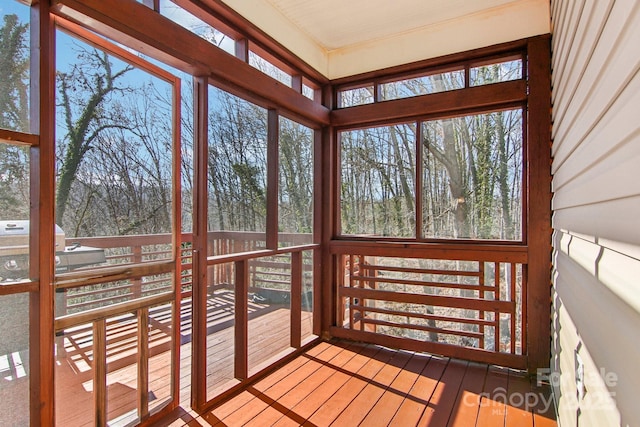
{"x":83,"y":93}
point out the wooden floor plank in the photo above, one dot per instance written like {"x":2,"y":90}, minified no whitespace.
{"x":365,"y":401}
{"x":317,"y":379}
{"x":518,"y":414}
{"x":319,"y":396}
{"x":465,"y":409}
{"x":291,"y":388}
{"x":492,"y":410}
{"x":329,"y":411}
{"x":415,"y":403}
{"x":444,"y":396}
{"x":388,"y":404}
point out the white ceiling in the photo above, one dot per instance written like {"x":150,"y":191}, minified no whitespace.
{"x":345,"y":37}
{"x":336,"y":24}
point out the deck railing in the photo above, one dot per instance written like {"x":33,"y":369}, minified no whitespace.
{"x":461,"y":301}
{"x":120,"y":313}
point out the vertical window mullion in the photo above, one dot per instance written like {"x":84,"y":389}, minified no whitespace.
{"x":273,"y":172}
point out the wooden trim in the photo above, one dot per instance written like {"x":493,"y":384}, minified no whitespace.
{"x":273,"y":173}
{"x":296,"y":82}
{"x":453,"y":251}
{"x":92,"y":39}
{"x":538,"y":272}
{"x":200,"y":249}
{"x":481,"y":322}
{"x":241,"y":359}
{"x":18,"y":138}
{"x":243,"y":27}
{"x":176,"y":239}
{"x":42,"y":214}
{"x":242,"y":49}
{"x":100,"y":372}
{"x":466,"y":353}
{"x":143,"y":363}
{"x":186,"y":51}
{"x":435,"y":105}
{"x":110,"y":274}
{"x":296,"y":299}
{"x":318,"y":185}
{"x":328,"y":273}
{"x":419,"y":184}
{"x":433,"y":64}
{"x":16,"y":288}
{"x":240,"y":256}
{"x":438,"y":300}
{"x":152,"y":4}
{"x":70,"y":320}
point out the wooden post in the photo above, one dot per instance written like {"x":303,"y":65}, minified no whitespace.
{"x":100,"y":372}
{"x":137,"y":258}
{"x":42,"y":241}
{"x":143,"y":363}
{"x":273,"y":173}
{"x":296,"y":299}
{"x":241,"y":326}
{"x":538,"y":270}
{"x":199,"y":269}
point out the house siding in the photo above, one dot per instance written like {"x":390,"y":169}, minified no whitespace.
{"x":596,"y":210}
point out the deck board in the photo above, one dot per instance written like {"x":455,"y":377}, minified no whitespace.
{"x":339,"y":383}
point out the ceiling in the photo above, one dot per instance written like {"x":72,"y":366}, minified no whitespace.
{"x":346,"y":37}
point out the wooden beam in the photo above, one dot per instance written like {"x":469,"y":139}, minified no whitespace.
{"x":100,"y":372}
{"x":42,"y":214}
{"x":273,"y":175}
{"x":243,"y":28}
{"x":241,"y":359}
{"x":454,"y":60}
{"x":71,"y":320}
{"x":242,"y":49}
{"x":143,"y":363}
{"x":296,"y":299}
{"x":18,"y":138}
{"x":538,"y":272}
{"x":445,"y":250}
{"x":184,"y":50}
{"x":296,"y":83}
{"x":200,"y":249}
{"x":425,"y":299}
{"x":326,"y":296}
{"x":466,"y":353}
{"x":436,"y":105}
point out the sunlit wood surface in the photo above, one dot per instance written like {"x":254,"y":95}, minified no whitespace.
{"x":349,"y":384}
{"x":269,"y":336}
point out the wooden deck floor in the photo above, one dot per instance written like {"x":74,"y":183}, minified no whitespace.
{"x":348,"y":384}
{"x":268,"y":324}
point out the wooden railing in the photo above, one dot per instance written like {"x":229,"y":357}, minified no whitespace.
{"x":136,"y":285}
{"x":467,"y":302}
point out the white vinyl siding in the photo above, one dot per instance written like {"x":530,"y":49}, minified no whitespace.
{"x":596,"y":208}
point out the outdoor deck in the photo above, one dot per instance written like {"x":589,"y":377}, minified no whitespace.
{"x":74,"y":387}
{"x":347,"y":384}
{"x":340,"y":383}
